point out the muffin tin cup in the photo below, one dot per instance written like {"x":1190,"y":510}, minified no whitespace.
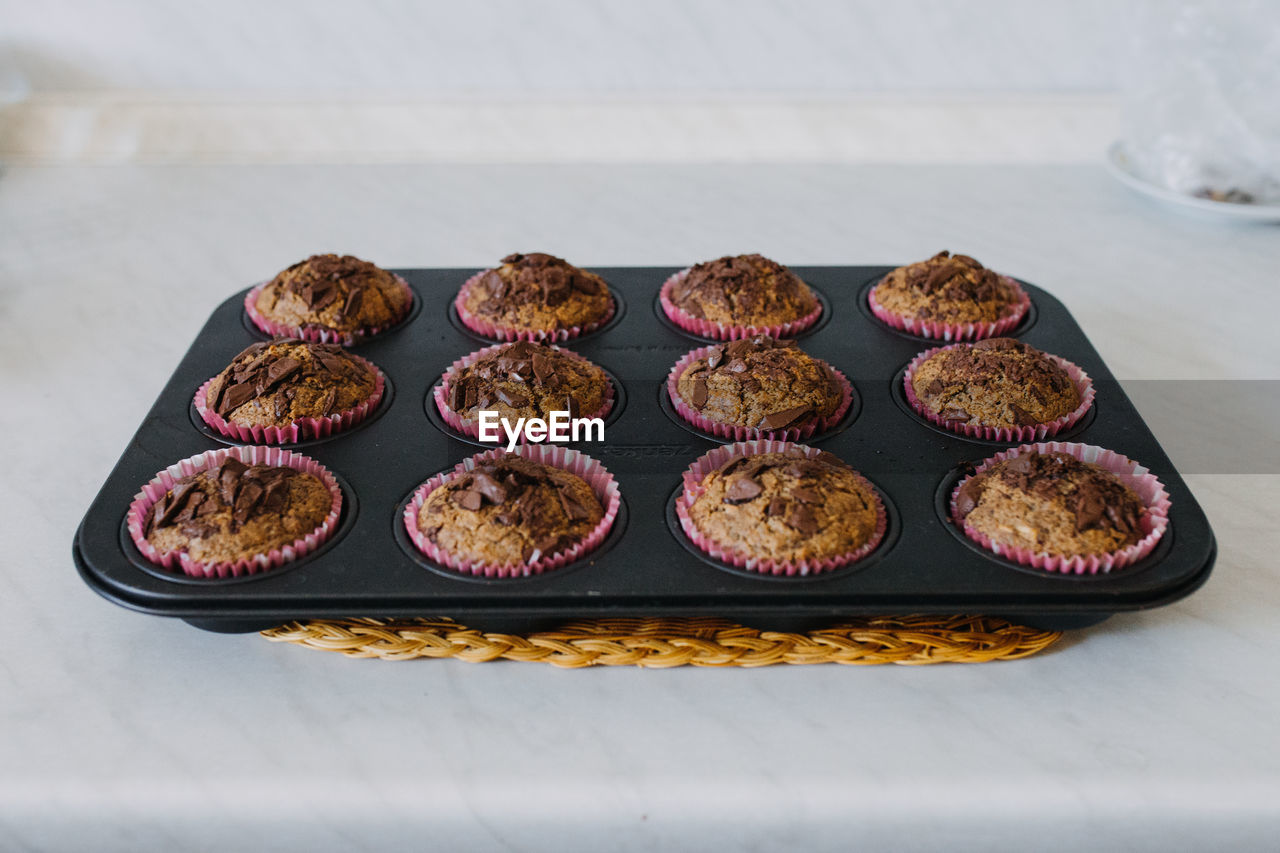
{"x":595,"y":475}
{"x":135,"y":520}
{"x":303,"y":429}
{"x":721,"y":331}
{"x":712,"y":460}
{"x":1012,"y":316}
{"x":1034,"y":432}
{"x":1148,"y":488}
{"x":470,"y":427}
{"x":741,"y":433}
{"x":510,"y":334}
{"x":319,"y":334}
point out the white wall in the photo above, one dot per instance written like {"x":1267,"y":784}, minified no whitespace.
{"x":444,"y":48}
{"x":562,"y":80}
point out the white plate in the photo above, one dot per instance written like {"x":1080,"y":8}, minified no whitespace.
{"x":1120,"y":168}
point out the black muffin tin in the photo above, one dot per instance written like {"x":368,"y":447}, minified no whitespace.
{"x":646,"y":567}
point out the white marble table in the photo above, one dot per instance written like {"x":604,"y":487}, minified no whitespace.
{"x":125,"y":732}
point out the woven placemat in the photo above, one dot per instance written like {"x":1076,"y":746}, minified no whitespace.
{"x":910,"y":640}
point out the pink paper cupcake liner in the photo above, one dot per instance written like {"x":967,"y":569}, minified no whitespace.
{"x":741,"y":433}
{"x":712,"y":460}
{"x":136,"y":519}
{"x":1035,"y":432}
{"x":302,"y":429}
{"x":508,"y":334}
{"x":471,"y":427}
{"x":318,"y":334}
{"x":720,"y":331}
{"x":600,"y":480}
{"x":1013,"y":315}
{"x":1149,"y":490}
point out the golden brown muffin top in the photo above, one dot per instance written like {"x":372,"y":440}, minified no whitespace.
{"x":508,"y":511}
{"x":276,"y":383}
{"x":1052,"y":503}
{"x":743,"y":290}
{"x":236,"y":511}
{"x":539,"y":292}
{"x":947,"y":289}
{"x":524,"y":379}
{"x":998,"y":382}
{"x":760,"y":382}
{"x":786,"y":506}
{"x":335,"y":292}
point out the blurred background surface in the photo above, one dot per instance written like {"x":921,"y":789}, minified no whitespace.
{"x":568,"y":47}
{"x":145,"y":80}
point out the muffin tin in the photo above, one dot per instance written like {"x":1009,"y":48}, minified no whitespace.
{"x":645,"y":567}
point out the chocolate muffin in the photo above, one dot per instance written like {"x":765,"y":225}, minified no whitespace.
{"x":525,"y":379}
{"x":949,"y":290}
{"x":535,"y":295}
{"x":761,"y":383}
{"x":743,"y":292}
{"x":342,"y":295}
{"x":786,"y":507}
{"x":1051,"y":503}
{"x":278,"y":383}
{"x":997,"y":382}
{"x":236,"y":511}
{"x":510,"y":510}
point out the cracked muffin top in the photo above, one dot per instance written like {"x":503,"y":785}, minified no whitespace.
{"x":762,"y":383}
{"x":236,"y":511}
{"x":786,"y":506}
{"x":1051,"y":503}
{"x":336,"y":293}
{"x":537,"y":292}
{"x":277,"y":383}
{"x":508,"y":511}
{"x":947,"y":288}
{"x":529,"y":380}
{"x":743,"y":291}
{"x":997,"y":382}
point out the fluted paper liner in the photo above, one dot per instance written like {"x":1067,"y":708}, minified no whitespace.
{"x":1033,"y":432}
{"x":510,"y":334}
{"x":741,"y":433}
{"x":315,"y":333}
{"x":1011,"y":316}
{"x":471,"y":426}
{"x":693,"y":477}
{"x":303,"y":429}
{"x":135,"y":520}
{"x":728,"y":332}
{"x":595,"y":475}
{"x":1148,"y":488}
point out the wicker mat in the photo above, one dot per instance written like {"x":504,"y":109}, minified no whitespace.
{"x":679,"y":642}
